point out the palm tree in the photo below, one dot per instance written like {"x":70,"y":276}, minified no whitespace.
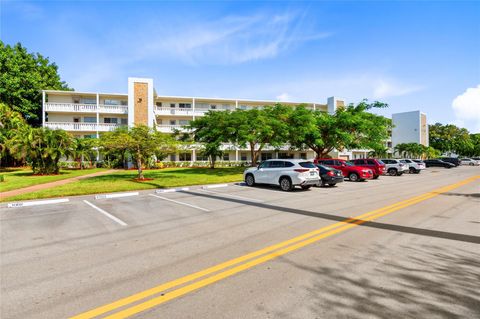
{"x":82,"y":148}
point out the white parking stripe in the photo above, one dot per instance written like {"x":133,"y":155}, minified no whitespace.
{"x":181,"y":203}
{"x":233,"y":196}
{"x":115,"y":195}
{"x":172,"y":190}
{"x":38,"y":202}
{"x":214,"y":186}
{"x":121,"y":222}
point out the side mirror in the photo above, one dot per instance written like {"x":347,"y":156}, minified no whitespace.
{"x":343,"y":164}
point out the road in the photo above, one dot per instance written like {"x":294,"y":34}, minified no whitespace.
{"x":411,"y":251}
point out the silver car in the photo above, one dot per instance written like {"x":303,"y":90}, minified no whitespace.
{"x":287,"y":173}
{"x":413,"y":167}
{"x":394,"y":167}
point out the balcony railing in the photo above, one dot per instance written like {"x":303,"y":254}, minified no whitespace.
{"x":183,"y":111}
{"x":86,"y":108}
{"x":84,"y":127}
{"x":171,"y":128}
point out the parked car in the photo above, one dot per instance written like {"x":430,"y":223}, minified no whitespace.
{"x":438,"y":163}
{"x":468,"y":161}
{"x":454,"y":160}
{"x":353,"y":172}
{"x":329,"y":176}
{"x":413,"y":167}
{"x":394,"y":167}
{"x":377,"y":166}
{"x":287,"y":173}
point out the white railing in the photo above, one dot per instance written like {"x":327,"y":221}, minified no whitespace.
{"x":86,"y":108}
{"x":84,"y":127}
{"x":174,"y":111}
{"x":120,"y":109}
{"x":171,"y":128}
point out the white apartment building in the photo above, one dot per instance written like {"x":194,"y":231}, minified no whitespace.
{"x":88,"y":114}
{"x":410,"y":127}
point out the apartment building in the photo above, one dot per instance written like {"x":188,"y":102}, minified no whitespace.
{"x":89,"y":114}
{"x":410,"y":127}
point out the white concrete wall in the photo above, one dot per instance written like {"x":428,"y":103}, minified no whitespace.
{"x":406,"y":128}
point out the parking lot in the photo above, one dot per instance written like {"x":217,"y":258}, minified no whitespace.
{"x":412,"y":251}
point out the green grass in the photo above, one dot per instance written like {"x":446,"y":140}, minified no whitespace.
{"x":16,"y":178}
{"x":123,"y":181}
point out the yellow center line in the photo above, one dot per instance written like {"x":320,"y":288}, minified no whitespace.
{"x":279,"y":249}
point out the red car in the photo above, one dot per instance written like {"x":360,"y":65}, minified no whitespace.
{"x":377,"y":166}
{"x":354,"y":173}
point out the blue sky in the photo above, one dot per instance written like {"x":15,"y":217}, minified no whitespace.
{"x":411,"y":54}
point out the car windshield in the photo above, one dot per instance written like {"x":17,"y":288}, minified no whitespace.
{"x":380,"y":162}
{"x":349,"y":163}
{"x":307,"y":164}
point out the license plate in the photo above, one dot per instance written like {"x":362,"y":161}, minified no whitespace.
{"x":312,"y":173}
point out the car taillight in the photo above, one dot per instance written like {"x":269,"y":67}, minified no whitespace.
{"x":301,"y":170}
{"x":331,"y":173}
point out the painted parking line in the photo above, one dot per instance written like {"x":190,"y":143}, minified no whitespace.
{"x":116,"y":219}
{"x":116,"y":195}
{"x":214,"y":186}
{"x":229,"y":268}
{"x":38,"y":202}
{"x":233,"y":196}
{"x":171,"y":190}
{"x":180,"y":203}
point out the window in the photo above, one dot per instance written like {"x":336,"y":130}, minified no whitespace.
{"x":226,"y":157}
{"x":243,"y":156}
{"x":185,"y":105}
{"x":277,"y":164}
{"x":90,"y":119}
{"x":124,"y":103}
{"x":213,"y":107}
{"x":226,"y":106}
{"x":183,"y":122}
{"x":185,"y":157}
{"x":285,"y":155}
{"x":289,"y":164}
{"x":264,"y":165}
{"x":112,"y":102}
{"x":90,"y":136}
{"x":172,"y":158}
{"x":124,"y":121}
{"x":307,"y":164}
{"x":89,"y":100}
{"x":243,"y":107}
{"x":173,"y":122}
{"x":303,"y":155}
{"x":172,"y":104}
{"x":159,"y":104}
{"x":360,"y":162}
{"x":201,"y":157}
{"x":112,"y":120}
{"x":328,"y":162}
{"x":370,"y":162}
{"x":266,"y":156}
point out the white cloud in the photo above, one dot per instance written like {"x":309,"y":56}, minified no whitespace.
{"x":467,"y":107}
{"x":386,"y":88}
{"x":284,"y":97}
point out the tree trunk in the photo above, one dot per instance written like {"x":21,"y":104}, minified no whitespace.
{"x":253,"y":156}
{"x":139,"y":166}
{"x":212,"y":161}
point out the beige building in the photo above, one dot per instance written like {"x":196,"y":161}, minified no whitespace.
{"x":89,"y":114}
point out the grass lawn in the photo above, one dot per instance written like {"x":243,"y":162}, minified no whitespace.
{"x":23,"y":177}
{"x":123,"y":181}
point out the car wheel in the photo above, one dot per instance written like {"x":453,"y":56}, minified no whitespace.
{"x":353,"y":177}
{"x":306,"y":187}
{"x":412,"y":170}
{"x":332,"y":184}
{"x":376,"y":176}
{"x":471,"y":164}
{"x":392,"y":172}
{"x":250,"y":180}
{"x":286,"y":184}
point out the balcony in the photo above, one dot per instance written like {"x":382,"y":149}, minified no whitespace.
{"x":86,"y":108}
{"x":182,"y":111}
{"x":171,"y":128}
{"x":82,"y":127}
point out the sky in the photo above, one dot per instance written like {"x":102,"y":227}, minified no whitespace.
{"x":413,"y":55}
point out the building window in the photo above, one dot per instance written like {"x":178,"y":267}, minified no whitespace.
{"x":172,"y":105}
{"x":183,"y":122}
{"x":243,"y":156}
{"x":266,"y":156}
{"x":173,"y":122}
{"x":112,"y":102}
{"x":201,"y":157}
{"x":159,"y":104}
{"x":213,"y":107}
{"x":303,"y":156}
{"x":111,"y":120}
{"x":185,"y":157}
{"x":172,"y":158}
{"x":185,"y":105}
{"x":285,"y":155}
{"x":243,"y":107}
{"x":90,"y":119}
{"x":226,"y":157}
{"x":89,"y":101}
{"x":124,"y":121}
{"x":226,"y":106}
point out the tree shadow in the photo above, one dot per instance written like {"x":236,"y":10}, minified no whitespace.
{"x":474,"y":195}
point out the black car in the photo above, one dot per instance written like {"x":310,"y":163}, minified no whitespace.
{"x":438,"y":163}
{"x":454,"y":160}
{"x":330,"y":176}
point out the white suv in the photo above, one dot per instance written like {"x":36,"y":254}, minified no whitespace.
{"x":287,"y":173}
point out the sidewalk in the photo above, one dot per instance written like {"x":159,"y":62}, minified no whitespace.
{"x":38,"y":187}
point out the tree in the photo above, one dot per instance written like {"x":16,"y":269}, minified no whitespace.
{"x":140,"y":142}
{"x":449,"y":138}
{"x":41,"y":147}
{"x":22,"y":77}
{"x":258,"y":128}
{"x":11,"y":124}
{"x":83,"y":148}
{"x":348,"y":128}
